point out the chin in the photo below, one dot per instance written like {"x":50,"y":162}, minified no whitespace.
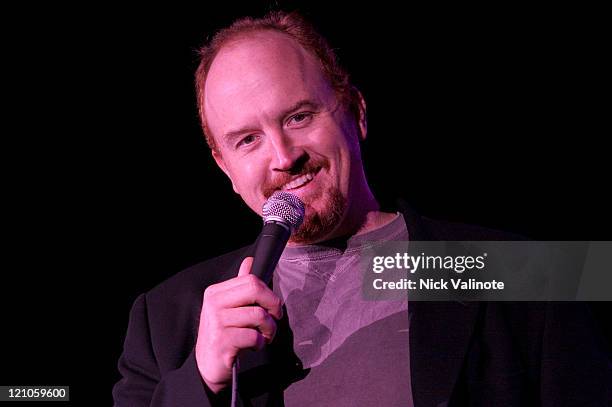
{"x":318,"y":225}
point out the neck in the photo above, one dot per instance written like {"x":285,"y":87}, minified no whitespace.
{"x":362,"y":216}
{"x":363,"y":213}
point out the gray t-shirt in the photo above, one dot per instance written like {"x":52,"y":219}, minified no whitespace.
{"x":357,"y":350}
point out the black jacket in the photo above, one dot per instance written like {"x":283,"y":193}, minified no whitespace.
{"x":462,"y":354}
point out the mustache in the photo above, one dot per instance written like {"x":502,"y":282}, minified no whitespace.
{"x":274,"y":184}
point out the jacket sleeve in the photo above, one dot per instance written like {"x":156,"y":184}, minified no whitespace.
{"x":575,"y":367}
{"x":142,"y":384}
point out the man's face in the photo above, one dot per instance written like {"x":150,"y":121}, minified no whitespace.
{"x":278,"y":125}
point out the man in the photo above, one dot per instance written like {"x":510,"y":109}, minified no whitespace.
{"x":279,"y":113}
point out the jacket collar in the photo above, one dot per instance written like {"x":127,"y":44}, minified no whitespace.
{"x":440,"y":332}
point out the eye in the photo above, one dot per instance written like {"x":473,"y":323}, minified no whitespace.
{"x":300,"y":118}
{"x":250,"y":139}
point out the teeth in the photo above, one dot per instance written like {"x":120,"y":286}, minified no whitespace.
{"x":298,"y":182}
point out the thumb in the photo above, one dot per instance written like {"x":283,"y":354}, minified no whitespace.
{"x":245,"y":267}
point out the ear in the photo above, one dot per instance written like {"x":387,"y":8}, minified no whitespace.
{"x":221,"y":163}
{"x":363,"y":121}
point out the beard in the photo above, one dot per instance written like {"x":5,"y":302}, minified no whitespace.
{"x":318,"y":223}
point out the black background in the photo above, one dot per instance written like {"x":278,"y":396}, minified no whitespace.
{"x":493,"y":116}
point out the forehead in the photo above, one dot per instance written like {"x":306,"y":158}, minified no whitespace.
{"x":263,"y":72}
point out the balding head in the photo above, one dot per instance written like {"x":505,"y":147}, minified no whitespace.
{"x":293,"y":26}
{"x":256,"y":71}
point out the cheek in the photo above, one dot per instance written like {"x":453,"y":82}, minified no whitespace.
{"x":248,"y":177}
{"x":330,"y":141}
{"x":244,"y":177}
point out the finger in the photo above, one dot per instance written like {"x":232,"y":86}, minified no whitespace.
{"x":245,"y":266}
{"x":229,"y":284}
{"x":244,"y":270}
{"x":250,"y":317}
{"x":245,"y":338}
{"x":251,"y":292}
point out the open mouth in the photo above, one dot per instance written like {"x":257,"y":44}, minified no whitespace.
{"x":300,"y":181}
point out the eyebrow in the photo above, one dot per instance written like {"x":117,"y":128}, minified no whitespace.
{"x":231,"y":135}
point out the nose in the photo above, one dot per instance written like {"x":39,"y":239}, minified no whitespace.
{"x":287,"y":155}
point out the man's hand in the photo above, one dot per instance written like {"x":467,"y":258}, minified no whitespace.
{"x":236,"y":314}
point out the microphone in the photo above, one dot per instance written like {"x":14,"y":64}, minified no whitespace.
{"x":283,"y":213}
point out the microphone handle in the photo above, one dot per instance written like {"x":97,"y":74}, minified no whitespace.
{"x":268,"y":248}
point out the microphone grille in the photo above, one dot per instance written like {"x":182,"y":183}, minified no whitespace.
{"x":284,"y":207}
